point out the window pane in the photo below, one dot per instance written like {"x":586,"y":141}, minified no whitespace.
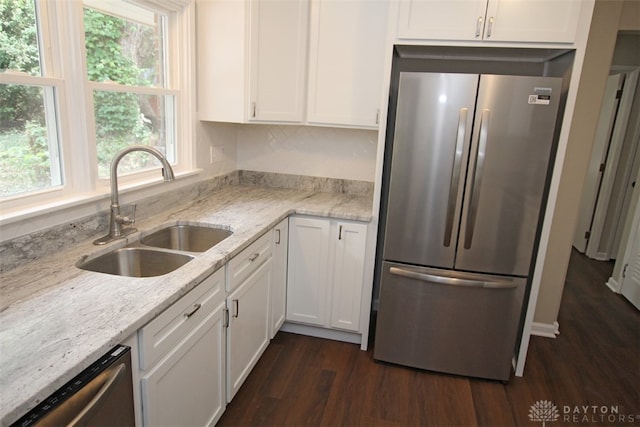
{"x":124,"y":119}
{"x":19,"y":37}
{"x":124,"y":43}
{"x":29,"y":158}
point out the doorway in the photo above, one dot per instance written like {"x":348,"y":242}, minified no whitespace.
{"x":615,"y":158}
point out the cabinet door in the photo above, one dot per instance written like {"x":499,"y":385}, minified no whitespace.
{"x":532,"y":20}
{"x":279,"y":276}
{"x":222,"y":43}
{"x":441,"y":19}
{"x":497,"y":20}
{"x":308,"y":270}
{"x":187,"y":386}
{"x":278,"y":66}
{"x":350,"y":244}
{"x":248,"y":332}
{"x":346,"y":58}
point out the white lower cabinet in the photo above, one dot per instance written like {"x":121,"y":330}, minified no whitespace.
{"x":182,"y":359}
{"x":308,"y":270}
{"x":279,"y":276}
{"x":248,"y":331}
{"x":194,"y":357}
{"x":348,"y":241}
{"x":325,"y":272}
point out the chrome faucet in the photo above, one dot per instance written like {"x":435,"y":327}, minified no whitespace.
{"x":117,"y":221}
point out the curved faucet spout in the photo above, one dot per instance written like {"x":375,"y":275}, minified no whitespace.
{"x":116,"y":221}
{"x":167,"y":172}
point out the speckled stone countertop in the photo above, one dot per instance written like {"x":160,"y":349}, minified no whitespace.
{"x":56,"y":319}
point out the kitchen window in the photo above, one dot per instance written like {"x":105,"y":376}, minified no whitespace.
{"x":125,"y":51}
{"x":79,"y":81}
{"x":29,"y":148}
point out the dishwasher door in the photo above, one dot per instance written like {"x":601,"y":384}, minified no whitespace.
{"x":101,"y":395}
{"x":448,"y":321}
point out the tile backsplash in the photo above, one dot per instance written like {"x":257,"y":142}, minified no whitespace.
{"x":308,"y":150}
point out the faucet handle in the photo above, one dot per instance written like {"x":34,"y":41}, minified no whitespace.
{"x":128,"y":220}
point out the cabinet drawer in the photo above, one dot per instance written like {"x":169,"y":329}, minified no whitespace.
{"x":248,"y":261}
{"x":174,"y":324}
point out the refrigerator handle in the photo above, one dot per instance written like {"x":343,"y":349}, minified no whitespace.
{"x":474,"y":195}
{"x":455,"y":176}
{"x":452,"y":281}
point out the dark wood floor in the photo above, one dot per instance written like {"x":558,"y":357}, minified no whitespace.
{"x":595,"y":361}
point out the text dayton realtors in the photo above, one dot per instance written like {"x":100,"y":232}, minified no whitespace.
{"x":595,"y":414}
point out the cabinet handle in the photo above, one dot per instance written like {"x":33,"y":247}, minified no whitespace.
{"x":253,"y":110}
{"x":277,"y":236}
{"x":195,"y":308}
{"x":378,"y":116}
{"x":340,"y":233}
{"x":254,"y":257}
{"x":479,"y":26}
{"x":225,"y":321}
{"x":490,"y":29}
{"x":236,"y":308}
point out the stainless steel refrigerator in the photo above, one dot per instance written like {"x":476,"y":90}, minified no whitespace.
{"x":469,"y":167}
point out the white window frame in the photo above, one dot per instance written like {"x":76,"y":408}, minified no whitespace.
{"x":64,"y":68}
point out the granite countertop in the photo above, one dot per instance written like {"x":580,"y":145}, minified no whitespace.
{"x":56,"y":319}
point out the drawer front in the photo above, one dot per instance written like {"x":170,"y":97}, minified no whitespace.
{"x":167,"y":330}
{"x":248,"y":261}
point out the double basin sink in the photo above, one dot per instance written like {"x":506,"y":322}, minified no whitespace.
{"x":158,"y":253}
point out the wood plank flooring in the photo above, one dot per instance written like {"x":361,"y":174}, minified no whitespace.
{"x":595,"y":361}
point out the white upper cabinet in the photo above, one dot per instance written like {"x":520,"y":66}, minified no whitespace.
{"x":440,"y":19}
{"x":346,"y":59}
{"x":291,"y":61}
{"x":278,"y":59}
{"x":553,"y":21}
{"x":251,"y":58}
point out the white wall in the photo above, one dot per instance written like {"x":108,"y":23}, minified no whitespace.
{"x":307,"y":150}
{"x":599,"y":53}
{"x":216,"y":148}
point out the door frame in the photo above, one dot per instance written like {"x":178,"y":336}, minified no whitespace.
{"x":610,"y":152}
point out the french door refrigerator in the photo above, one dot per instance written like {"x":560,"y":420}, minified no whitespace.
{"x":467,"y":182}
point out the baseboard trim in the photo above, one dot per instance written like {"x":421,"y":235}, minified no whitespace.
{"x":318,"y":332}
{"x":548,"y":330}
{"x":613,"y":285}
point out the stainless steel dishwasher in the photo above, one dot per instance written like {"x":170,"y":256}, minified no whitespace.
{"x":101,"y":395}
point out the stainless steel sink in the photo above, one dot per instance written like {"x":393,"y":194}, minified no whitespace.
{"x":190,"y":238}
{"x":136,"y":262}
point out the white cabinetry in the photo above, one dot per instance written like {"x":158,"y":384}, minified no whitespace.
{"x":248,"y":305}
{"x":182,"y":359}
{"x":349,"y":241}
{"x":346,"y":59}
{"x":308,"y":271}
{"x":279,"y":276}
{"x":251,"y":60}
{"x":490,"y":20}
{"x":325,"y":272}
